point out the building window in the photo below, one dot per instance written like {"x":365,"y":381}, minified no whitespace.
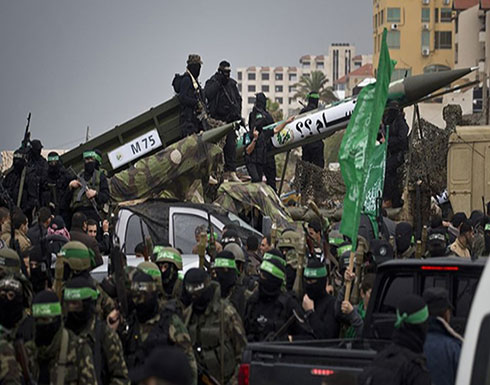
{"x":455,"y":53}
{"x":265,"y":88}
{"x":291,"y":100}
{"x":443,"y":40}
{"x":393,"y":15}
{"x":239,"y":75}
{"x":251,"y":88}
{"x":426,"y":15}
{"x":446,"y":15}
{"x":425,"y":39}
{"x":400,"y":73}
{"x":265,"y":76}
{"x":436,"y":68}
{"x":251,"y":76}
{"x":292,"y":89}
{"x":305,"y":64}
{"x":251,"y":100}
{"x":382,"y":15}
{"x":279,"y":100}
{"x":320,"y":65}
{"x":436,"y":15}
{"x":293,"y":77}
{"x":278,"y":88}
{"x":240,"y":87}
{"x":375,"y":21}
{"x":393,"y":39}
{"x":278,"y":76}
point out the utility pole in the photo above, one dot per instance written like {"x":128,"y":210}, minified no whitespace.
{"x":87,"y":134}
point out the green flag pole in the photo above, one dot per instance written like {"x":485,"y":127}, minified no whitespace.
{"x":358,"y":145}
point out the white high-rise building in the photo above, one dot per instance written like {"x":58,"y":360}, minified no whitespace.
{"x":278,"y":83}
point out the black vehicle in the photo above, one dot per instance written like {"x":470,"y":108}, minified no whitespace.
{"x":341,"y":361}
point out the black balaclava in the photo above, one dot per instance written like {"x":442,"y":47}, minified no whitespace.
{"x":260,"y":101}
{"x":36,"y":147}
{"x":226,"y":279}
{"x":169,"y":277}
{"x":146,"y":305}
{"x":201,"y":292}
{"x":78,"y":320}
{"x":391,"y":112}
{"x":403,"y":236}
{"x":45,"y":332}
{"x":224,"y":68}
{"x":312,"y":101}
{"x":11,"y":310}
{"x":89,"y":168}
{"x":290,"y":277}
{"x":269,"y":284}
{"x":194,"y":69}
{"x":19,"y":162}
{"x":411,"y":336}
{"x":54,"y":167}
{"x":40,"y":275}
{"x":316,"y":287}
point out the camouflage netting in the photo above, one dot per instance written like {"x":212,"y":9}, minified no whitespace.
{"x":169,"y":173}
{"x":325,"y":187}
{"x":242,"y":197}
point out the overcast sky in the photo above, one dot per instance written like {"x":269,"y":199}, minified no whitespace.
{"x":98,"y":63}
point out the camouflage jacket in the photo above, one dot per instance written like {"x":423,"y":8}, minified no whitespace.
{"x":79,"y":366}
{"x":10,"y":372}
{"x":105,"y":304}
{"x":166,"y":328}
{"x":217,"y":334}
{"x":108,"y":357}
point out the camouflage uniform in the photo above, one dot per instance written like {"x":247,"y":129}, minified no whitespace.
{"x":219,"y":322}
{"x":165,"y":327}
{"x":79,"y":366}
{"x":10,"y":372}
{"x":113,"y":370}
{"x":81,"y":264}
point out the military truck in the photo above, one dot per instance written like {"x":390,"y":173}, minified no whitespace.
{"x":341,"y":361}
{"x":468,"y":168}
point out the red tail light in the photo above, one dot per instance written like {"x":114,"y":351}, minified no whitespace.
{"x":244,"y":374}
{"x":322,"y":372}
{"x":440,"y":268}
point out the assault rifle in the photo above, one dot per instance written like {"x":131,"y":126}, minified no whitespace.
{"x":83,"y":190}
{"x":21,"y":357}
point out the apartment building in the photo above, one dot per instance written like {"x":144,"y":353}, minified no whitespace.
{"x":278,"y":83}
{"x":420,"y":34}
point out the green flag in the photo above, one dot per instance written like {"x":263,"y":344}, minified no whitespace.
{"x":374,"y":183}
{"x":359,"y":140}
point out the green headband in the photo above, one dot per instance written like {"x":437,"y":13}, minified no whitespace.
{"x":53,"y":158}
{"x":10,"y":262}
{"x":151,"y":272}
{"x":166,"y":254}
{"x":314,"y":95}
{"x":415,"y":318}
{"x":315,"y":272}
{"x":75,"y":294}
{"x":269,"y":256}
{"x":341,"y":250}
{"x":272,"y":269}
{"x":76,"y":253}
{"x":335,"y":241}
{"x":92,"y":154}
{"x":46,"y":309}
{"x":224,"y":262}
{"x":215,"y":235}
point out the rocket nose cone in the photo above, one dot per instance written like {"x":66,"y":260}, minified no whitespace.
{"x":215,"y":134}
{"x":416,"y":87}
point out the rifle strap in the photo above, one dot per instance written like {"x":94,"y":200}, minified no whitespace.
{"x":194,"y":82}
{"x":222,"y":343}
{"x":60,"y":378}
